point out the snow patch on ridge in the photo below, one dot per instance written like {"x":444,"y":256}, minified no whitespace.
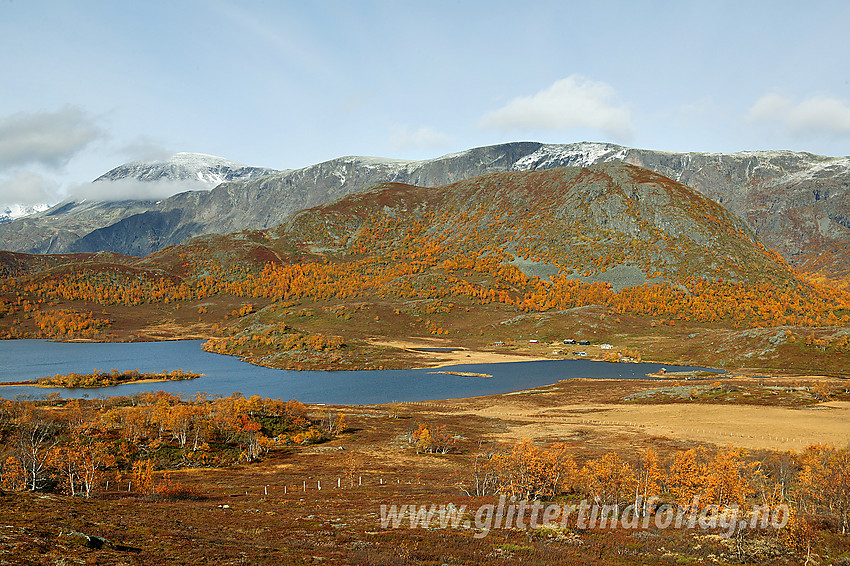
{"x":827,"y":169}
{"x":11,"y":212}
{"x":581,"y":154}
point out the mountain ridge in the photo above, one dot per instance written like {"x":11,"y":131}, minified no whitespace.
{"x":797,"y":203}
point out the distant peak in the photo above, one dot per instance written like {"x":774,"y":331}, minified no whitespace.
{"x":204,"y":170}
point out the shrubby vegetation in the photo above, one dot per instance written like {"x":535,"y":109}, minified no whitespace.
{"x":76,"y":446}
{"x":815,"y":481}
{"x":112,"y":377}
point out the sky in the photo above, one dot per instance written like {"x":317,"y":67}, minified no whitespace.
{"x":88,"y":85}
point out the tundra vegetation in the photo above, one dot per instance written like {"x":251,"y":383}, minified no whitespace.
{"x":76,"y":445}
{"x":228,"y":469}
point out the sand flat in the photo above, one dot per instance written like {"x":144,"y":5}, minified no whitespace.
{"x":747,"y":426}
{"x":456,"y":357}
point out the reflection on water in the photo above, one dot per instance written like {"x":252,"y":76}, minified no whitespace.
{"x":29,"y":359}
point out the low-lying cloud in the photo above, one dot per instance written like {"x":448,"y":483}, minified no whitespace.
{"x":133,"y":189}
{"x":573,"y":102}
{"x":49,"y":139}
{"x":818,"y":115}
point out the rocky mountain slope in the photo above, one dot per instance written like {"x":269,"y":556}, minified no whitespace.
{"x":796,"y":203}
{"x":610,"y":222}
{"x":613,"y":223}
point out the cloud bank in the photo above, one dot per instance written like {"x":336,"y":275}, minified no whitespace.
{"x":49,"y":139}
{"x":133,"y":189}
{"x":816,"y":115}
{"x":573,"y":102}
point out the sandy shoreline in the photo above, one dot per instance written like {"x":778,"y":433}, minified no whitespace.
{"x":459,"y":356}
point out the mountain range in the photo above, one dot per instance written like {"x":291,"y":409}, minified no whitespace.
{"x":795,"y":203}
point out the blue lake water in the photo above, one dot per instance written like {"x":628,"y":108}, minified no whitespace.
{"x":30,"y":359}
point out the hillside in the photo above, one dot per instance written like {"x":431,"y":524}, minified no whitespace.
{"x":795,"y":203}
{"x":612,"y":252}
{"x":574,"y":222}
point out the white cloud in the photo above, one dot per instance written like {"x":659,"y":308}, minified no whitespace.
{"x":26,"y":187}
{"x":768,"y":107}
{"x":45,"y":138}
{"x":573,"y":102}
{"x":133,"y":189}
{"x":815,"y":115}
{"x":425,"y":137}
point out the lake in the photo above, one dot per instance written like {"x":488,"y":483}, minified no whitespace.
{"x":30,"y":359}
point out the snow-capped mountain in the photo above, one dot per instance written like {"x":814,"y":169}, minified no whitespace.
{"x":198,"y":170}
{"x":9,"y":212}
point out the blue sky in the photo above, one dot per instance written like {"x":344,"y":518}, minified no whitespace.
{"x":86,"y":86}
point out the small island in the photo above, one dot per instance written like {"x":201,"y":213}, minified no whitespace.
{"x":463,"y":373}
{"x":106,"y":379}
